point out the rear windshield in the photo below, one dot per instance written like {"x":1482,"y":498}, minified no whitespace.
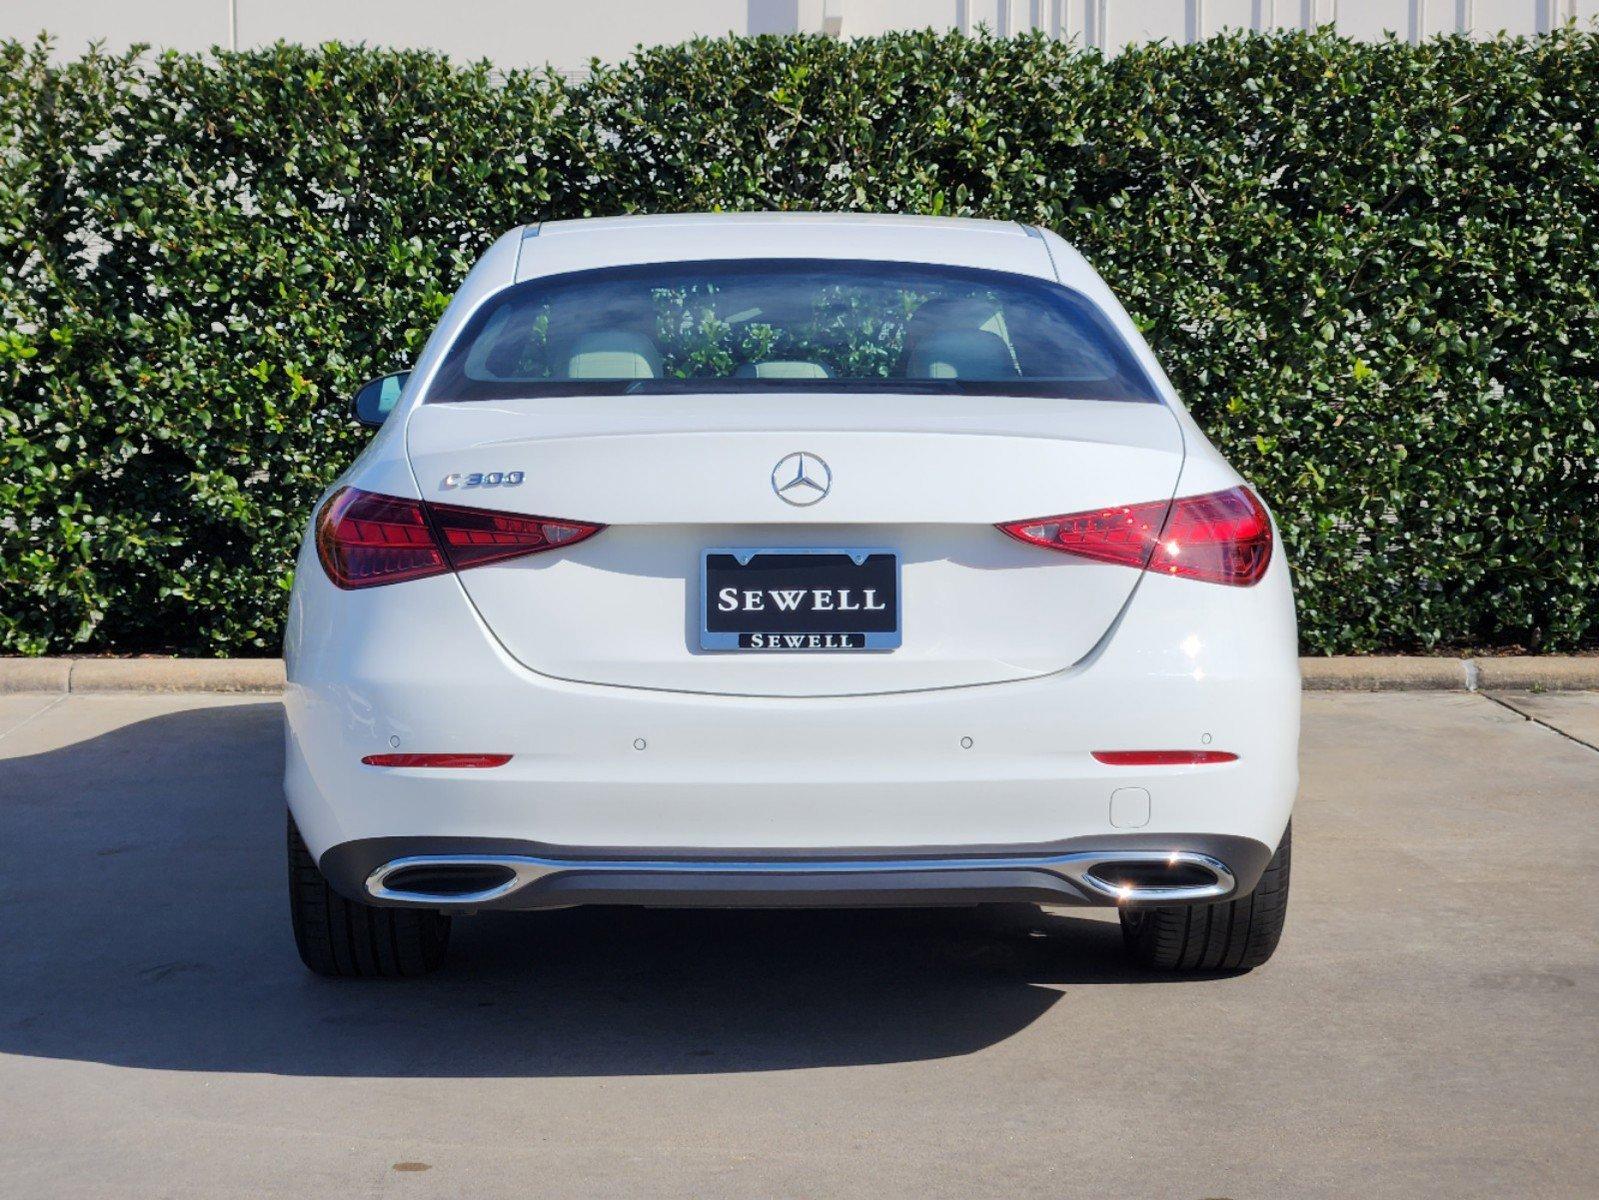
{"x":789,"y":325}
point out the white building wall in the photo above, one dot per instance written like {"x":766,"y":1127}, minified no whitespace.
{"x":568,"y":33}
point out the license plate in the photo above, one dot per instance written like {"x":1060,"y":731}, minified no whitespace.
{"x":776,"y":600}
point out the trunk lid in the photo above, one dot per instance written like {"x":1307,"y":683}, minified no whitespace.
{"x":925,"y":476}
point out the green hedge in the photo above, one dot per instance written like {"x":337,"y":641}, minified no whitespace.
{"x":1372,"y":270}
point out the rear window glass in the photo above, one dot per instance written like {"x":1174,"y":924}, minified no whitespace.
{"x":786,"y":326}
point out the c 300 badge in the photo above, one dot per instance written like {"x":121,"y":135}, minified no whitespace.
{"x":479,"y":479}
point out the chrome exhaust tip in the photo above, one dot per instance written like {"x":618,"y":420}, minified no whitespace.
{"x":451,"y":879}
{"x":1142,"y":877}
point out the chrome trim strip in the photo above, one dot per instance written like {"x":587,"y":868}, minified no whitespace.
{"x":1075,"y":868}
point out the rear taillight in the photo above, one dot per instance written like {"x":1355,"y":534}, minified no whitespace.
{"x":1221,"y":537}
{"x":474,"y":536}
{"x":365,"y":538}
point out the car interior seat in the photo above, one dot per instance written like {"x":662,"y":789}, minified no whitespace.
{"x":961,"y":354}
{"x":610,"y":354}
{"x":782,"y":369}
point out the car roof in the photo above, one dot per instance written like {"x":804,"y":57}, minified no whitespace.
{"x":556,"y":247}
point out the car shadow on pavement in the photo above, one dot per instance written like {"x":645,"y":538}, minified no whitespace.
{"x":146,"y":924}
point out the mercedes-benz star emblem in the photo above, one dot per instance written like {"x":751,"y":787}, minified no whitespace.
{"x":801,"y":478}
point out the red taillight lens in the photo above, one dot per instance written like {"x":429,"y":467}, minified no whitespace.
{"x":1163,"y":758}
{"x":1224,"y":537}
{"x":436,"y":760}
{"x":1123,"y":535}
{"x":474,"y":536}
{"x":365,"y":538}
{"x":1221,"y":537}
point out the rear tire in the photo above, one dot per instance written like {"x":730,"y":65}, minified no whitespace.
{"x":1230,"y":935}
{"x":348,"y":939}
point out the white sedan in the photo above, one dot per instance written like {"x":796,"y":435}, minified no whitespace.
{"x":781,"y":560}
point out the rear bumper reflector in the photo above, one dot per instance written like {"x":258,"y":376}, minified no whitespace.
{"x":436,"y":760}
{"x":1163,"y":758}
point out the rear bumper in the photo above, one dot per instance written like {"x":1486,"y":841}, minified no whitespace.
{"x":997,"y":770}
{"x":464,"y":873}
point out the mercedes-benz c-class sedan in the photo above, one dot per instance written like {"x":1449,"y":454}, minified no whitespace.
{"x":787,"y":560}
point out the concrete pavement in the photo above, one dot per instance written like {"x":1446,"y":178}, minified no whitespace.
{"x":1430,"y":1026}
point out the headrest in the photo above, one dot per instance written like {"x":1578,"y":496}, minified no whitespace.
{"x":612,"y":354}
{"x":961,"y":354}
{"x":793,"y":369}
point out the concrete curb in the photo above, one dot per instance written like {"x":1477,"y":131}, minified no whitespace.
{"x":141,"y":675}
{"x":35,"y":674}
{"x":1538,"y":674}
{"x":1396,"y":673}
{"x":1345,"y":674}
